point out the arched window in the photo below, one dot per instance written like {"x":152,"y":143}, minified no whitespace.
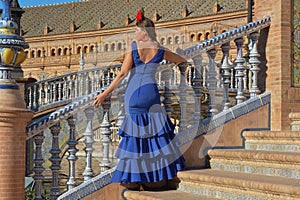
{"x":52,"y":52}
{"x":176,"y":39}
{"x":163,"y":41}
{"x":207,"y":35}
{"x":193,"y":38}
{"x":39,"y":53}
{"x":65,"y":51}
{"x":106,"y":47}
{"x":119,"y":46}
{"x":200,"y":37}
{"x":32,"y":54}
{"x":169,"y":40}
{"x":26,"y":52}
{"x":59,"y":52}
{"x":85,"y":49}
{"x":92,"y":48}
{"x":78,"y":50}
{"x":113,"y":47}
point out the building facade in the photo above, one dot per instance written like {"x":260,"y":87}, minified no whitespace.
{"x":101,"y":31}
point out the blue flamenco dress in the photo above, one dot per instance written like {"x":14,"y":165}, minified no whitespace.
{"x":148,"y":151}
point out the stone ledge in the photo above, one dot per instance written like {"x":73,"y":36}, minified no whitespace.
{"x":271,"y":135}
{"x":258,"y":162}
{"x":259,"y":185}
{"x":161,"y":195}
{"x":253,"y":155}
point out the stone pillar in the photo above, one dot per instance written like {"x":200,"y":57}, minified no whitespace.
{"x":278,"y":39}
{"x":13,"y":113}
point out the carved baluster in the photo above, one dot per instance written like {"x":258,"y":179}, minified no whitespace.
{"x":167,"y":94}
{"x":254,"y":61}
{"x":43,"y":93}
{"x":97,"y":80}
{"x":108,"y":77}
{"x":219,"y":75}
{"x":38,"y":166}
{"x":76,"y":86}
{"x":49,"y":93}
{"x":60,"y":90}
{"x":182,"y":96}
{"x":197,"y":87}
{"x":190,"y":75}
{"x":54,"y":92}
{"x":159,"y":81}
{"x":89,"y":141}
{"x":239,"y":70}
{"x":204,"y":84}
{"x":82,"y":82}
{"x":87,"y":83}
{"x":212,"y":82}
{"x":71,"y":88}
{"x":36,"y":97}
{"x":65,"y":88}
{"x":72,"y":153}
{"x":55,"y":160}
{"x":30,"y":97}
{"x":106,"y":133}
{"x":92,"y":86}
{"x":175,"y":76}
{"x":103,"y":78}
{"x":225,"y":75}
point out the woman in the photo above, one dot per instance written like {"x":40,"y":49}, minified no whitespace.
{"x":147,"y":152}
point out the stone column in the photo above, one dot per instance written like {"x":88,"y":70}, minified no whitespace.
{"x":13,"y":113}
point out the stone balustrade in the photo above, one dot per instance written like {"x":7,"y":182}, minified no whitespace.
{"x":193,"y":93}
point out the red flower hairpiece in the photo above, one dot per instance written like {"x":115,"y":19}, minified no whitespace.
{"x":140,"y":15}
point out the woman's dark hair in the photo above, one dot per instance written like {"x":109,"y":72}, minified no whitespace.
{"x":147,"y":25}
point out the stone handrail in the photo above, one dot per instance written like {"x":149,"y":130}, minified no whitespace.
{"x":60,"y":90}
{"x":189,"y":81}
{"x":225,"y":37}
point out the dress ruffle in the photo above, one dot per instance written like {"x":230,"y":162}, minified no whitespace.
{"x":146,"y":124}
{"x":145,"y":157}
{"x":147,"y":171}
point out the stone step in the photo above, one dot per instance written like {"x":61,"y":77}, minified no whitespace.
{"x":288,"y":141}
{"x":285,"y":164}
{"x":234,"y":185}
{"x":163,"y":195}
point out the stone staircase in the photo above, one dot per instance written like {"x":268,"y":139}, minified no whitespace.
{"x":268,"y":168}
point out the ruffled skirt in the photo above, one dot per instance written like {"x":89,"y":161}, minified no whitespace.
{"x":148,"y":151}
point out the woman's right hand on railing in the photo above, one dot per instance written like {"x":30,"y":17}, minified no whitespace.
{"x":99,"y":99}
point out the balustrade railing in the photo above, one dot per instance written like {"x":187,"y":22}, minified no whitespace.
{"x":206,"y":85}
{"x":60,"y":90}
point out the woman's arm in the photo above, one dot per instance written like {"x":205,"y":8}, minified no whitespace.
{"x":173,"y":57}
{"x":126,"y":66}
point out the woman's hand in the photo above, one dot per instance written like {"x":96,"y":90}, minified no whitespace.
{"x":99,"y":99}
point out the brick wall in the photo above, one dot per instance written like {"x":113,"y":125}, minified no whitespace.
{"x":284,"y":98}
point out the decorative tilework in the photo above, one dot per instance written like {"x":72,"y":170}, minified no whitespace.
{"x":289,"y":173}
{"x":273,"y":147}
{"x":296,"y":44}
{"x":216,"y":193}
{"x":88,"y":187}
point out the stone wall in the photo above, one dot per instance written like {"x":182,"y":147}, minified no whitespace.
{"x":285,"y":98}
